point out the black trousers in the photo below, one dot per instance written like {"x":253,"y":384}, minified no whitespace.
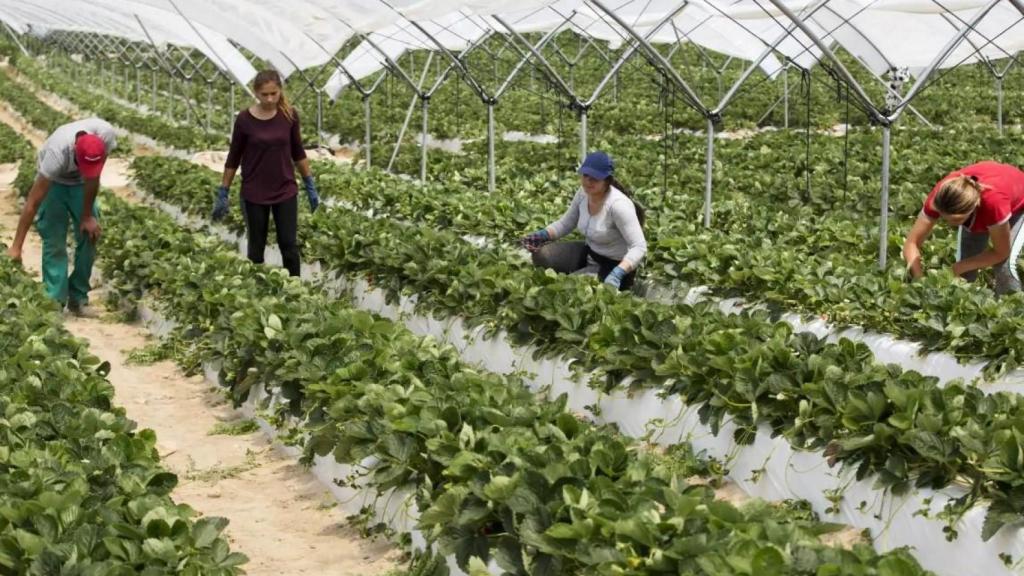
{"x":286,"y":221}
{"x":575,"y":256}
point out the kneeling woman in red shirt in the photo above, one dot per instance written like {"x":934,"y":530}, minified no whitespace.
{"x":986,"y":200}
{"x":267,"y":143}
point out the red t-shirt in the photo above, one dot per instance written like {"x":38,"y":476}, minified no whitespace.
{"x":1001,"y":198}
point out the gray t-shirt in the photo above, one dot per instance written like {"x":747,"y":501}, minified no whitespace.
{"x":56,"y":160}
{"x":614,"y":232}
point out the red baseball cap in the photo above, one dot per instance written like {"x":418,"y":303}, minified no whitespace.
{"x":90,"y":153}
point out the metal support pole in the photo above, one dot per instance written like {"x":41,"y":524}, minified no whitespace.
{"x":138,"y":86}
{"x":209,"y":105}
{"x":709,"y":172}
{"x":418,"y":93}
{"x":490,"y":147}
{"x":951,"y":45}
{"x":785,"y":97}
{"x":656,"y":58}
{"x":857,"y":90}
{"x":170,"y":97}
{"x":186,"y":98}
{"x":154,"y":92}
{"x":369,"y":145}
{"x":883,"y":223}
{"x":423,"y":138}
{"x":16,"y":41}
{"x":583,"y":134}
{"x":319,"y":118}
{"x":999,"y":103}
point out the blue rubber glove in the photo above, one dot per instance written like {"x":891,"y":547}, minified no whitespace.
{"x":220,"y":205}
{"x":534,"y":240}
{"x":314,"y":198}
{"x":614,"y":278}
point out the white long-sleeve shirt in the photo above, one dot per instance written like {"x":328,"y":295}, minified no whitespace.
{"x":614,"y":232}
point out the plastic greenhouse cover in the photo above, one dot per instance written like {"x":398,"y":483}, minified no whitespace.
{"x":118,"y":19}
{"x":455,"y":32}
{"x":719,"y":32}
{"x":923,"y":35}
{"x":311,"y":31}
{"x":769,"y":468}
{"x":260,"y":27}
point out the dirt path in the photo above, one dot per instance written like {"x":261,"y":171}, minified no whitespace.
{"x":281,"y":517}
{"x":14,"y":120}
{"x":52,"y":100}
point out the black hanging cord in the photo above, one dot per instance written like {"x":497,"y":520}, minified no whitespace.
{"x":561,"y":137}
{"x":846,"y":146}
{"x":806,"y":88}
{"x":664,"y":139}
{"x":458,"y":105}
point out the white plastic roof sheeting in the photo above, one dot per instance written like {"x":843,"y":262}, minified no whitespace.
{"x":455,"y":32}
{"x":458,"y":30}
{"x":744,"y":29}
{"x":308,"y":32}
{"x":115,"y":18}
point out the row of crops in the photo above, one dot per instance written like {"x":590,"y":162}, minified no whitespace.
{"x":745,"y":368}
{"x":823,"y":265}
{"x":898,"y":428}
{"x":497,"y":474}
{"x":82,"y":488}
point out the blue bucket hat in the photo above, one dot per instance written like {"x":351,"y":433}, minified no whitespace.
{"x":597,"y":165}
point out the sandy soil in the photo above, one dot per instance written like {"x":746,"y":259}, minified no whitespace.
{"x":281,"y":517}
{"x":341,"y":155}
{"x":214,"y":159}
{"x":52,"y":100}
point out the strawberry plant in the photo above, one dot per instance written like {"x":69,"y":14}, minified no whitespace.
{"x":496,"y":473}
{"x":29,"y":107}
{"x":177,"y":136}
{"x":13,"y":146}
{"x":898,"y":426}
{"x":82,"y":489}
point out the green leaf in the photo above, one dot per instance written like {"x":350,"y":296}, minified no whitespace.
{"x":896,"y":566}
{"x":768,"y":561}
{"x":207,"y":530}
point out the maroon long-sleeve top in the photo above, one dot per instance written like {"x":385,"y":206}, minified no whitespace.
{"x":267,"y":151}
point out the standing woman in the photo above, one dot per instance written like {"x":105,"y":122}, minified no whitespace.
{"x":267,"y":143}
{"x":611,"y":223}
{"x":986,"y":201}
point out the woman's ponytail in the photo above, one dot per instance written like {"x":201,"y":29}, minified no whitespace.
{"x":641,"y":212}
{"x":958,"y":195}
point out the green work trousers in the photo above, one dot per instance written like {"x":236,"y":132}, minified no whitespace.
{"x":62,"y":203}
